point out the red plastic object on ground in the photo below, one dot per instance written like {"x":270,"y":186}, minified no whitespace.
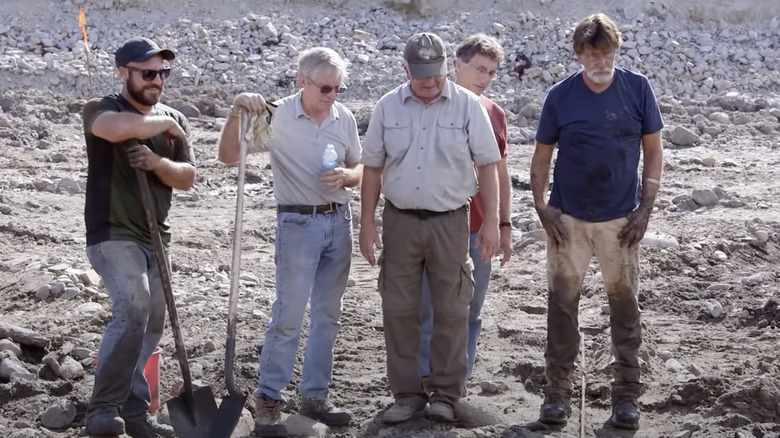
{"x":152,"y":374}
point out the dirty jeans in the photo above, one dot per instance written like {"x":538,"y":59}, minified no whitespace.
{"x":130,"y":274}
{"x":313,"y":258}
{"x":441,"y":244}
{"x":566,"y":268}
{"x":482,"y":272}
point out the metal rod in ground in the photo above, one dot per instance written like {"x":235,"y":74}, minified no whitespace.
{"x":89,"y":73}
{"x":582,"y":389}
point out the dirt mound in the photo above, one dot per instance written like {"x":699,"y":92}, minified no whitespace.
{"x":766,"y":316}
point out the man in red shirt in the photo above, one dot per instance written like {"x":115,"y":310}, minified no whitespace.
{"x":477,"y":59}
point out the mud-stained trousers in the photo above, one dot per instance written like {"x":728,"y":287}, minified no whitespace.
{"x":439,"y":244}
{"x":132,"y":280}
{"x":566,"y":268}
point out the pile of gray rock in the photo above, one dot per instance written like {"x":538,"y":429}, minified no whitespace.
{"x":231,"y":47}
{"x":70,"y":283}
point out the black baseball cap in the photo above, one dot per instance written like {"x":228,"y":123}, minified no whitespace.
{"x":140,"y":49}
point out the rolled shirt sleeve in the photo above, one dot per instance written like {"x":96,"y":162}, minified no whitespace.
{"x":374,"y":153}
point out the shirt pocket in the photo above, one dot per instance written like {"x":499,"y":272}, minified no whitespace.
{"x":398,"y":135}
{"x":452,"y":131}
{"x":453,"y":138}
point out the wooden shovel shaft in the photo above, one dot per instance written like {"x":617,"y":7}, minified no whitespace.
{"x":235,"y":268}
{"x":165,"y":276}
{"x":582,"y":388}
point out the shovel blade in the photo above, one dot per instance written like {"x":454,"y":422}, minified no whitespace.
{"x":192,"y":418}
{"x":228,"y":415}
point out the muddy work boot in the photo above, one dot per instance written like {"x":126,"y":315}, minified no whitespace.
{"x":269,"y":418}
{"x":441,"y":412}
{"x":105,"y":422}
{"x":555,"y":409}
{"x":625,"y":413}
{"x":147,"y":426}
{"x":325,"y":412}
{"x":403,"y":411}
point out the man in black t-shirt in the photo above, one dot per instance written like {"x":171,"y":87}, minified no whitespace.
{"x":124,"y":132}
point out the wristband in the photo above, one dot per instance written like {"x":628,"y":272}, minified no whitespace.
{"x":505,"y":224}
{"x":651,"y":181}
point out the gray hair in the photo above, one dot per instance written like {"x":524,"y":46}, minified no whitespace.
{"x":318,"y":60}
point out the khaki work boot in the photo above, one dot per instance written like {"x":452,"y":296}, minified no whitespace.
{"x":269,"y":418}
{"x":400,"y":412}
{"x":442,"y":412}
{"x":325,"y":412}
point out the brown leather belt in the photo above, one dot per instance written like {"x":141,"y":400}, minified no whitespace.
{"x":308,"y":209}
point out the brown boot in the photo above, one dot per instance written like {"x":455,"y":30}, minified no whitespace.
{"x":269,"y":418}
{"x":325,"y":412}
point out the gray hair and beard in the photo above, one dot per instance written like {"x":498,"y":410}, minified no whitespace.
{"x":601,"y":75}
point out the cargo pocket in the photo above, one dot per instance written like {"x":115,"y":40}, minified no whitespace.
{"x":380,"y":283}
{"x":466,"y":291}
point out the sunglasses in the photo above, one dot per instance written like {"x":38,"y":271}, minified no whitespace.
{"x":149,"y":75}
{"x":327,"y":88}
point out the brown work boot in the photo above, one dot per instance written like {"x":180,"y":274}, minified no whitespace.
{"x":268,"y":423}
{"x":325,"y":412}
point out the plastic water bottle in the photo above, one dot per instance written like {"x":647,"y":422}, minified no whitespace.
{"x":330,"y":158}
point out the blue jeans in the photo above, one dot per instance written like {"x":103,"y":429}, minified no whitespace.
{"x":130,"y":274}
{"x":313,"y":257}
{"x":482,"y":271}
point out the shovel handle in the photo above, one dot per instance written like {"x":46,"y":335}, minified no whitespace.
{"x":235,"y":267}
{"x":165,"y":277}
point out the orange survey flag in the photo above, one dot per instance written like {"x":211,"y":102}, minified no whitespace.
{"x":83,"y":26}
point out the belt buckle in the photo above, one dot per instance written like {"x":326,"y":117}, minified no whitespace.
{"x":327,"y":209}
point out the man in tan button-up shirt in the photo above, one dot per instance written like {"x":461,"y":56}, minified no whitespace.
{"x":423,"y":142}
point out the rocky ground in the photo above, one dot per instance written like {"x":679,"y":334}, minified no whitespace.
{"x":709,"y":296}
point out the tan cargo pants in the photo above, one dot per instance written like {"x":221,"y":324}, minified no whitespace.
{"x":566,"y":268}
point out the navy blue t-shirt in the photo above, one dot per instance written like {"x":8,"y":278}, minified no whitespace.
{"x":599,"y":138}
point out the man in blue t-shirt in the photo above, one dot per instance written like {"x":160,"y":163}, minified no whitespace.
{"x":601,"y":118}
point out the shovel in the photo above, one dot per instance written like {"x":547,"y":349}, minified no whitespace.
{"x":192,"y":412}
{"x":232,"y":406}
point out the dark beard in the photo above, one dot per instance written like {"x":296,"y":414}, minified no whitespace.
{"x":137,"y":93}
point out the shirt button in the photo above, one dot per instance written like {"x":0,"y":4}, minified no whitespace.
{"x":424,"y":128}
